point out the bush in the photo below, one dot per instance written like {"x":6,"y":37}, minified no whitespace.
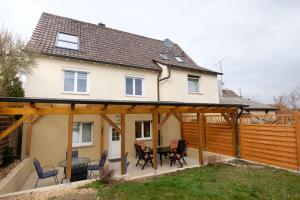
{"x":106,"y":174}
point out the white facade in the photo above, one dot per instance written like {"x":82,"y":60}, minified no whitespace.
{"x":106,"y":81}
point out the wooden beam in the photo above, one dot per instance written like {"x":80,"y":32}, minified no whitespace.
{"x":166,"y":117}
{"x":123,"y":167}
{"x":178,"y":117}
{"x":234,"y":135}
{"x":69,"y":150}
{"x":13,"y":127}
{"x":29,"y":136}
{"x":101,"y":142}
{"x":155,"y":138}
{"x":200,"y":130}
{"x":110,"y":122}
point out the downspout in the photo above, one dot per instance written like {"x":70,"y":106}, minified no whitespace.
{"x":158,"y":95}
{"x":237,"y":131}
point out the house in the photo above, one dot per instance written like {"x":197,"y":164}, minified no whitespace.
{"x":254,"y":107}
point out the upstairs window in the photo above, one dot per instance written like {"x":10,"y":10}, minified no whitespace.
{"x":143,"y":130}
{"x":134,"y":86}
{"x":193,"y":84}
{"x":82,"y":134}
{"x":75,"y":81}
{"x":67,"y":41}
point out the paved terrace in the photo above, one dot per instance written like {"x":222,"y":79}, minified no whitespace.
{"x":132,"y":173}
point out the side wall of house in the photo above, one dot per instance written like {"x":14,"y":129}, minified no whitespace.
{"x":176,"y":87}
{"x":104,"y":81}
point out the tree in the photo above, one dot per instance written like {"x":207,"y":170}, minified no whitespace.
{"x":15,"y":59}
{"x":289,"y":100}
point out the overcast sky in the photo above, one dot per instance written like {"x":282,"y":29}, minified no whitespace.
{"x":259,"y":39}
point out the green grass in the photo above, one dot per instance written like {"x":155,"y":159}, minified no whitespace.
{"x":210,"y":182}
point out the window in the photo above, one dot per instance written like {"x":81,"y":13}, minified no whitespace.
{"x":179,"y":59}
{"x":163,"y":56}
{"x":134,"y":86}
{"x":115,"y":136}
{"x":82,"y":134}
{"x":67,"y":41}
{"x":193,"y":84}
{"x":143,"y":130}
{"x":75,"y":81}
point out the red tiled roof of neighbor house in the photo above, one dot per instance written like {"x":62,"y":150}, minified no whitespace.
{"x":98,"y":43}
{"x":229,"y":93}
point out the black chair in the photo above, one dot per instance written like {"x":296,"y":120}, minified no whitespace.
{"x":43,"y":173}
{"x":179,"y":153}
{"x":97,"y":165}
{"x":145,"y":156}
{"x":74,"y":153}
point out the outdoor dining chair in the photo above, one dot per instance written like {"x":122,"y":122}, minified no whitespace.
{"x":143,"y":146}
{"x":97,"y":165}
{"x":44,"y":173}
{"x":143,"y":156}
{"x":179,"y":153}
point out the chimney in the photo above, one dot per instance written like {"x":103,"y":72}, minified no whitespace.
{"x":101,"y":24}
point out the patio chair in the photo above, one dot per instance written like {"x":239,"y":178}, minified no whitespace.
{"x":173,"y":145}
{"x":142,"y":155}
{"x":143,"y":146}
{"x":43,"y":173}
{"x":96,"y":165}
{"x":179,"y":153}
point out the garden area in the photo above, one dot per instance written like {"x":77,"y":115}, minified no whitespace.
{"x":221,"y":181}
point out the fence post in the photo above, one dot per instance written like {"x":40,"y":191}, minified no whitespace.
{"x":297,"y":128}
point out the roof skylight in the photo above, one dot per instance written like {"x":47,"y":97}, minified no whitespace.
{"x":67,"y":41}
{"x":163,"y":56}
{"x":179,"y":59}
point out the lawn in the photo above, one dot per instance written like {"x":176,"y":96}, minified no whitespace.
{"x":210,"y":182}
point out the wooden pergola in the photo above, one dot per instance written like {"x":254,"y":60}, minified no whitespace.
{"x":32,"y":109}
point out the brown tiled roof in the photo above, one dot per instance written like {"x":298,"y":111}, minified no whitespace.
{"x":229,"y":93}
{"x":101,"y":44}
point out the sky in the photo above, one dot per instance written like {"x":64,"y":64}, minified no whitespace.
{"x":258,"y":41}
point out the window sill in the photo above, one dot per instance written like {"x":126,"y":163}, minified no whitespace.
{"x":135,"y":96}
{"x":145,"y":139}
{"x":82,"y":145}
{"x":196,"y":93}
{"x":76,"y":93}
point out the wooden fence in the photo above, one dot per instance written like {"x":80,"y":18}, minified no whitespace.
{"x":217,"y":136}
{"x":271,"y":139}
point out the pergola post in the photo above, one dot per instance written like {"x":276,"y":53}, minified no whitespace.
{"x":200,"y":130}
{"x":28,"y":136}
{"x":234,"y":134}
{"x":123,"y":167}
{"x":154,"y":138}
{"x":69,"y":151}
{"x":101,"y":135}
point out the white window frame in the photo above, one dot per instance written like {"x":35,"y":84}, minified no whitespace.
{"x":198,"y":84}
{"x":142,"y":127}
{"x":133,"y":86}
{"x":66,"y":41}
{"x":76,"y":71}
{"x":84,"y":144}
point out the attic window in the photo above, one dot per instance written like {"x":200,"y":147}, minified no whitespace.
{"x":67,"y":41}
{"x":163,"y":56}
{"x":179,"y":59}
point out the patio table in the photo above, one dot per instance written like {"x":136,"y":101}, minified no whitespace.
{"x":163,"y":151}
{"x":79,"y":168}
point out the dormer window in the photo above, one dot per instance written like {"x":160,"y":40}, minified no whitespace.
{"x":67,"y":41}
{"x":178,"y":59}
{"x":163,"y":56}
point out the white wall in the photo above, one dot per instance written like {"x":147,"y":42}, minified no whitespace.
{"x":176,"y":87}
{"x":105,"y":81}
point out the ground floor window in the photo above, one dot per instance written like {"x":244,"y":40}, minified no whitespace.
{"x":143,"y":130}
{"x":82,"y":134}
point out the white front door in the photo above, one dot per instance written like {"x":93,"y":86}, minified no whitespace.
{"x":114,"y":144}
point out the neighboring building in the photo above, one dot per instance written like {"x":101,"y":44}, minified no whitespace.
{"x":255,"y":107}
{"x":80,"y":60}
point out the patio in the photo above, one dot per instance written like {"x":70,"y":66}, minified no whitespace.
{"x":133,"y":172}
